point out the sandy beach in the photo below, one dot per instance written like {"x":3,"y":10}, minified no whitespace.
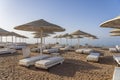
{"x":75,"y":67}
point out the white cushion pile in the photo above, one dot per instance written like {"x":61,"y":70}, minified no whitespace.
{"x":93,"y":57}
{"x":65,"y":48}
{"x":116,"y":49}
{"x":84,"y":51}
{"x":87,"y":51}
{"x":79,"y":50}
{"x":7,"y":50}
{"x":113,"y":50}
{"x":50,"y":50}
{"x":49,"y":62}
{"x":30,"y":61}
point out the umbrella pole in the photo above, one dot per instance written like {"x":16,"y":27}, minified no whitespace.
{"x":6,"y":38}
{"x":67,"y":41}
{"x":44,"y":40}
{"x":61,"y":40}
{"x":1,"y":38}
{"x":37,"y":40}
{"x":78,"y":43}
{"x":12,"y":39}
{"x":71,"y":42}
{"x":15,"y":39}
{"x":41,"y":42}
{"x":56,"y":40}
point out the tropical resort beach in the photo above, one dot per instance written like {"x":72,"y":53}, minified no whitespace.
{"x":43,"y":40}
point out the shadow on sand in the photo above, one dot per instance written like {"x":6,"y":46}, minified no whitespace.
{"x":9,"y":54}
{"x":108,"y":60}
{"x":69,"y":68}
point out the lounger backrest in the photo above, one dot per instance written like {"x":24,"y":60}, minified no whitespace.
{"x":26,"y":52}
{"x":95,"y":54}
{"x":117,"y":47}
{"x":116,"y":74}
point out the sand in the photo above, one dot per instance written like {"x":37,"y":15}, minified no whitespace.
{"x":75,"y":67}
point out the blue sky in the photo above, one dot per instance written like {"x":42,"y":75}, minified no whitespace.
{"x":85,"y":15}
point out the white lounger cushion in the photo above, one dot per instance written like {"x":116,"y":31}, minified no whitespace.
{"x":7,"y":50}
{"x":113,"y":50}
{"x":49,"y":62}
{"x":118,"y":48}
{"x":65,"y":48}
{"x":79,"y":50}
{"x":87,"y":51}
{"x":50,"y":50}
{"x":30,"y":61}
{"x":116,"y":74}
{"x":93,"y":57}
{"x":84,"y":51}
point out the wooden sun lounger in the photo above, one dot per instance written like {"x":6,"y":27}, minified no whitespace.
{"x":49,"y":62}
{"x":30,"y":61}
{"x":94,"y":57}
{"x":53,"y":50}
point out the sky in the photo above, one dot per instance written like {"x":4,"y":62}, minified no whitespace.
{"x":85,"y":15}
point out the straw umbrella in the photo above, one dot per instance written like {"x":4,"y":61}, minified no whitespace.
{"x":40,"y":26}
{"x":38,"y":36}
{"x":60,"y":38}
{"x":114,"y":34}
{"x":66,"y":35}
{"x":115,"y":31}
{"x":112,"y":23}
{"x":70,"y":37}
{"x":56,"y":36}
{"x":77,"y":37}
{"x":78,"y":33}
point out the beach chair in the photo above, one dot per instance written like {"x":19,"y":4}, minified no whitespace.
{"x":113,"y":50}
{"x":31,"y":61}
{"x":58,"y":46}
{"x":79,"y":51}
{"x":94,"y":57}
{"x":2,"y":44}
{"x":116,"y":57}
{"x":65,"y":48}
{"x":7,"y":50}
{"x":49,"y":62}
{"x":118,"y":48}
{"x":116,"y":74}
{"x":87,"y":51}
{"x":52,"y":50}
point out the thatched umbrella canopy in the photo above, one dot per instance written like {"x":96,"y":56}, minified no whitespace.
{"x":112,"y":23}
{"x":40,"y":26}
{"x":38,"y":36}
{"x":114,"y":34}
{"x":56,"y":36}
{"x":78,"y":33}
{"x":115,"y":31}
{"x":66,"y":35}
{"x":43,"y":33}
